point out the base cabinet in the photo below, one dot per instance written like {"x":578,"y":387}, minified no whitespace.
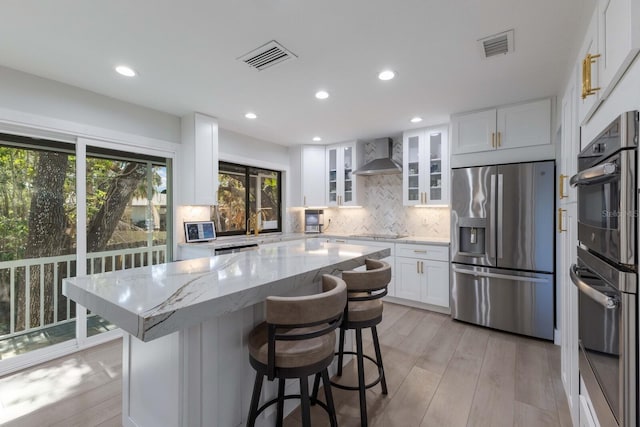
{"x":567,"y":237}
{"x":422,"y":274}
{"x":586,"y":418}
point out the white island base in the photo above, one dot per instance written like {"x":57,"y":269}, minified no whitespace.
{"x":198,"y":377}
{"x":185,"y":359}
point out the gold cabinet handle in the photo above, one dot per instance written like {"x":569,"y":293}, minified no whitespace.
{"x":561,"y":186}
{"x":587,"y":90}
{"x":421,"y":267}
{"x":560,"y":229}
{"x":499,"y":135}
{"x":419,"y":252}
{"x":304,"y":201}
{"x":418,"y":267}
{"x":493,"y":140}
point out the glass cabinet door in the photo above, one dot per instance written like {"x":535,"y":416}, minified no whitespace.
{"x":435,"y":166}
{"x":333,"y":176}
{"x":348,"y":177}
{"x":413,"y":169}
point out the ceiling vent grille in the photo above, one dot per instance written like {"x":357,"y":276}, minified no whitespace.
{"x":498,"y":44}
{"x":267,"y":55}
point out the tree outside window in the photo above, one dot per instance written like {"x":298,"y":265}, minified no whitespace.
{"x":248,"y":197}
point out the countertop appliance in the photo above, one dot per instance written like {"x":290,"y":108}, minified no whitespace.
{"x":313,"y":220}
{"x":502,"y":247}
{"x":606,"y":271}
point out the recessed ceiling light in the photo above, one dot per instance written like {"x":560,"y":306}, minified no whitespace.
{"x":416,"y":119}
{"x":125,"y":71}
{"x":386,"y":75}
{"x":322,"y":94}
{"x":251,"y":116}
{"x":317,"y":139}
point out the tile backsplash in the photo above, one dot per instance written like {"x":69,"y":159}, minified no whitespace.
{"x":382,"y":210}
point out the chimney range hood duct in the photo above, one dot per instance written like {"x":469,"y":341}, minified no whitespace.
{"x":383,"y":164}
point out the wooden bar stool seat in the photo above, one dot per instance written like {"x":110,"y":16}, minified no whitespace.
{"x":297,"y":340}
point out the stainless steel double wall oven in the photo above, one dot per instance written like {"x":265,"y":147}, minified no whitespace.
{"x":606,"y":270}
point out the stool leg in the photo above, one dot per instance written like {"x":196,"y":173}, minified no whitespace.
{"x":328,"y":396}
{"x":361,"y":384}
{"x":255,"y":399}
{"x":304,"y":398}
{"x":316,"y":388}
{"x":280,"y":407}
{"x":376,"y":345}
{"x":340,"y":352}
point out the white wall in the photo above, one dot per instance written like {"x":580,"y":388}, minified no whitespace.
{"x":70,"y":109}
{"x":238,"y":148}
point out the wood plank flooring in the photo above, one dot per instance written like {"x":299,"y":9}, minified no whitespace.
{"x":439,"y":373}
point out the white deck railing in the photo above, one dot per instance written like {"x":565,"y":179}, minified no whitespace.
{"x":61,"y":267}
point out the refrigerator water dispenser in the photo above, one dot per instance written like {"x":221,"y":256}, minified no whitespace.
{"x":472,"y":240}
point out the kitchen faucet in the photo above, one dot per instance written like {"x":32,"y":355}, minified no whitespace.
{"x":252,"y":221}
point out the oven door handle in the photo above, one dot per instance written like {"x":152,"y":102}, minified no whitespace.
{"x":599,"y":297}
{"x":595,"y":175}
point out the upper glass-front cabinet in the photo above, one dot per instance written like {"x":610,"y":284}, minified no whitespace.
{"x":426,"y":167}
{"x":342,"y":183}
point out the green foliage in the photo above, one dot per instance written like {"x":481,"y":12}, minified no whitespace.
{"x":17,"y":175}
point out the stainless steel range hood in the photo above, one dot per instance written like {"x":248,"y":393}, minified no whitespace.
{"x":383,"y":164}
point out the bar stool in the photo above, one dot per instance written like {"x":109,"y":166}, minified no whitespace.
{"x":297,"y":340}
{"x":364,"y":310}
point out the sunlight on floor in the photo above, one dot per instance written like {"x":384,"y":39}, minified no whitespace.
{"x":24,"y":393}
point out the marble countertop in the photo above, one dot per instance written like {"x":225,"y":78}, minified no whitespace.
{"x":228,"y":241}
{"x":420,"y":240}
{"x":154,"y":301}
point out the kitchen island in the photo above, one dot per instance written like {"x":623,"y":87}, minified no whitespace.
{"x":185,"y":359}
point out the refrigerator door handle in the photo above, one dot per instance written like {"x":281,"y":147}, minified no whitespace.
{"x":492,"y":224}
{"x":500,"y":212}
{"x":499,"y":276}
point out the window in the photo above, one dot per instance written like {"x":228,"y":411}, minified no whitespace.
{"x":248,"y":197}
{"x":126,"y":199}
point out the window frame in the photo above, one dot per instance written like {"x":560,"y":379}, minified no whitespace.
{"x":247,"y":199}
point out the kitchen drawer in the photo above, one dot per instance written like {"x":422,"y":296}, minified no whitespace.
{"x":435,"y":253}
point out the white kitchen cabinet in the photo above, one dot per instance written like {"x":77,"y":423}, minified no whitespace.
{"x":618,"y":39}
{"x":425,"y":172}
{"x":308,"y":170}
{"x":610,"y":45}
{"x":570,"y":146}
{"x":343,"y":187}
{"x":514,"y":126}
{"x":422,"y":274}
{"x":588,"y":82}
{"x":568,"y":241}
{"x":198,"y":176}
{"x":586,"y":417}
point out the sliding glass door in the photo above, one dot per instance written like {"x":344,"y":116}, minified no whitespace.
{"x":37,"y":243}
{"x":126,"y":215}
{"x":66,"y":210}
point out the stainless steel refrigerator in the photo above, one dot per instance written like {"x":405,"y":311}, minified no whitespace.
{"x":502,"y":247}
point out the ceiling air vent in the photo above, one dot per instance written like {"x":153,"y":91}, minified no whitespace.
{"x":267,"y":55}
{"x":498,"y":44}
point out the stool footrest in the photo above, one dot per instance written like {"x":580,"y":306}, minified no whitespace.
{"x":314,"y":401}
{"x":371,"y":384}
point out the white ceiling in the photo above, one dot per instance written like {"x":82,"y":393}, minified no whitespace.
{"x":185,"y":53}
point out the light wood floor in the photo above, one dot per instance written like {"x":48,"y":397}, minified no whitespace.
{"x":439,"y":373}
